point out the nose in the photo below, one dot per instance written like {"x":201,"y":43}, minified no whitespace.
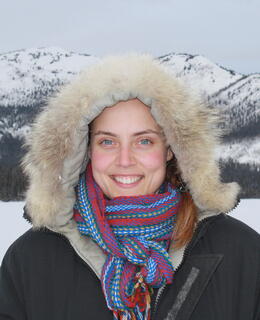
{"x":126,"y":156}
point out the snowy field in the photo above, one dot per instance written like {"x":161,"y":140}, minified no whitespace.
{"x":13,"y":225}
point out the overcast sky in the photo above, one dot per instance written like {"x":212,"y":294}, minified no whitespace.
{"x":225,"y":31}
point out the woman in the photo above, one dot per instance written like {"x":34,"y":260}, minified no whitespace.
{"x":128,"y":208}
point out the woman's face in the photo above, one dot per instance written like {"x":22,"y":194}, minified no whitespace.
{"x":127,"y":150}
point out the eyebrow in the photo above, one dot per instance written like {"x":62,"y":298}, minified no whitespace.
{"x":108,"y":133}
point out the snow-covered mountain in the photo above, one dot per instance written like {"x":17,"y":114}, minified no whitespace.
{"x":199,"y":73}
{"x":236,"y":95}
{"x":29,"y":77}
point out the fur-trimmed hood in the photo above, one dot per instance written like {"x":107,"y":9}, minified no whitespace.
{"x":57,"y":144}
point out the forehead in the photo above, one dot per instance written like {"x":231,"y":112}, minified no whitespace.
{"x":128,"y":115}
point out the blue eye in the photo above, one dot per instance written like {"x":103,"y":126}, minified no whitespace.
{"x":145,"y":141}
{"x":107,"y":142}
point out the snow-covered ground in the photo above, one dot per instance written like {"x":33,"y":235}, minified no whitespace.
{"x":13,"y":225}
{"x":247,"y":152}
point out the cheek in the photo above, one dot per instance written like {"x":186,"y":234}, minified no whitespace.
{"x":154,"y":160}
{"x":100,"y":160}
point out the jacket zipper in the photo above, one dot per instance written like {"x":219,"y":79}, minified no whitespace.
{"x":157,"y":299}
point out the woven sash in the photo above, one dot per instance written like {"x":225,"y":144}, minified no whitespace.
{"x":135,"y":233}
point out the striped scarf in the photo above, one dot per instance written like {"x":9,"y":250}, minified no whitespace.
{"x":135,"y":234}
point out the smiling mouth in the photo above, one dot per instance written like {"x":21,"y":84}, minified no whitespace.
{"x":127,"y":180}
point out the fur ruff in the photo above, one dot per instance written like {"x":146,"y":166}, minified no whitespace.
{"x":57,"y":145}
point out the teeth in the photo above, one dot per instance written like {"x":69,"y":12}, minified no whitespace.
{"x":127,"y":180}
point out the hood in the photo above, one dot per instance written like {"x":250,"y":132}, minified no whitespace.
{"x":57,"y":145}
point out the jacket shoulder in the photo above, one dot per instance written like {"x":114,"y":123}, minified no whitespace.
{"x":34,"y":243}
{"x":233,"y":227}
{"x":226,"y":232}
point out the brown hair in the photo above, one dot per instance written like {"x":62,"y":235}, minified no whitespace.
{"x":187,"y":213}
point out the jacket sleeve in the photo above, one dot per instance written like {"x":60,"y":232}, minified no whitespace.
{"x":257,"y":304}
{"x":11,"y":297}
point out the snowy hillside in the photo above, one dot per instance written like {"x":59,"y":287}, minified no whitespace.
{"x":236,"y":95}
{"x":247,"y":152}
{"x":240,"y":102}
{"x":200,"y":73}
{"x":29,"y":77}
